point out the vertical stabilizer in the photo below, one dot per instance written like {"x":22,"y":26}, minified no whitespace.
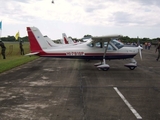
{"x":64,"y":36}
{"x":50,"y":42}
{"x":37,"y":41}
{"x":70,"y":41}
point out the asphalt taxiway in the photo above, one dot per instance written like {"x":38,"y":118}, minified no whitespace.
{"x":68,"y":89}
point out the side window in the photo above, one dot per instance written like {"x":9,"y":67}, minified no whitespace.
{"x":110,"y":47}
{"x":90,"y":44}
{"x":98,"y":45}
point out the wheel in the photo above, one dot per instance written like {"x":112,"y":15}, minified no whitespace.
{"x":105,"y":68}
{"x":132,"y":68}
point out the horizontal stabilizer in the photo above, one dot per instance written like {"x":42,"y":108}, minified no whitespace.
{"x":29,"y":54}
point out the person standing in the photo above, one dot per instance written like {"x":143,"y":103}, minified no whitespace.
{"x":149,"y":45}
{"x":158,"y":49}
{"x":145,"y":44}
{"x":21,"y":47}
{"x":3,"y":49}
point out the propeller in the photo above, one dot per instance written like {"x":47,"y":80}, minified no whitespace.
{"x":139,"y":48}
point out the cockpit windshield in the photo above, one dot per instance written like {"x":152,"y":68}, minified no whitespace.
{"x":117,"y":43}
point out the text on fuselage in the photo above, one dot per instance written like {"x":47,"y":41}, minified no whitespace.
{"x":75,"y":53}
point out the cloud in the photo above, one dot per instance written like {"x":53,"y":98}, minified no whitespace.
{"x":149,"y":2}
{"x":94,"y":14}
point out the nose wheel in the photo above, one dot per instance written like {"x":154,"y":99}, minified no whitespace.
{"x":131,"y":65}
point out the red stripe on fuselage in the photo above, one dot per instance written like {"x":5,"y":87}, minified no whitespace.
{"x":51,"y":54}
{"x":86,"y":54}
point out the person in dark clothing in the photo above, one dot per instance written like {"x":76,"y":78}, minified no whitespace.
{"x":158,"y":49}
{"x":3,"y":49}
{"x":21,"y":47}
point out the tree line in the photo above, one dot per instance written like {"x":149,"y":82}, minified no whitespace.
{"x":12,"y":39}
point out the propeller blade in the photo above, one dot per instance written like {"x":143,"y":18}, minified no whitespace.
{"x":140,"y":53}
{"x":138,"y":43}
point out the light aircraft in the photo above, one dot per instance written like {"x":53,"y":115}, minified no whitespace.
{"x":67,"y":40}
{"x":53,"y":44}
{"x":97,"y":48}
{"x":64,"y":40}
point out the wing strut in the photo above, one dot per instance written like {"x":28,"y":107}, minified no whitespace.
{"x":104,"y":66}
{"x":104,"y":55}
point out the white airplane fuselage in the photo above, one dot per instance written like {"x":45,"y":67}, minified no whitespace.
{"x":82,"y":51}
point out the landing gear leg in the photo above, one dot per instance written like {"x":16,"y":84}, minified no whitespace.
{"x":104,"y":66}
{"x":132,"y":65}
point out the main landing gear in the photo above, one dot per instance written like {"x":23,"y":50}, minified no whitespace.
{"x":132,"y":68}
{"x":103,"y":66}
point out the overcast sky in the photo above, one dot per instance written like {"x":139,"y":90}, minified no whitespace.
{"x":77,"y":18}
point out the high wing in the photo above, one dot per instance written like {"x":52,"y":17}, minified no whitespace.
{"x":107,"y":38}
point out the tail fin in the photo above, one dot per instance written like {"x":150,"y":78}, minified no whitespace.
{"x":64,"y":36}
{"x":70,"y":41}
{"x":50,"y":42}
{"x":37,"y":41}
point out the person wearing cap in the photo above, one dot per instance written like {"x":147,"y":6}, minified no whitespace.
{"x":3,"y":49}
{"x":21,"y":47}
{"x":158,"y":49}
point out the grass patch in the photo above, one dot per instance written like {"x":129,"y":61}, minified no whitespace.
{"x":13,"y":57}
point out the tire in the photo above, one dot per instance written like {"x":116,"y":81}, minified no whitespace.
{"x":132,"y":68}
{"x":105,"y":69}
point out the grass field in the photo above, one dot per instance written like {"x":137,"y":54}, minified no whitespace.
{"x":13,"y":56}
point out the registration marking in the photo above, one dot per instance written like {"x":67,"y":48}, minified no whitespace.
{"x":75,"y":53}
{"x":127,"y":103}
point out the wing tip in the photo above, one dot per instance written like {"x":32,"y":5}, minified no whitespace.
{"x":30,"y":54}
